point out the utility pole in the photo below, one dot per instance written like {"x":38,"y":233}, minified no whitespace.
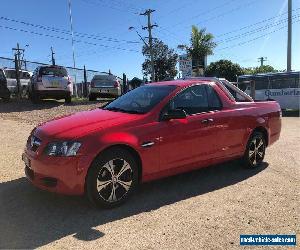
{"x":262,"y":60}
{"x":289,"y":41}
{"x":72,"y":32}
{"x":17,"y":68}
{"x":52,"y":56}
{"x":149,"y":27}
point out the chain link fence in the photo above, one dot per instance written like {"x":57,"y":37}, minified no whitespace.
{"x":76,"y":74}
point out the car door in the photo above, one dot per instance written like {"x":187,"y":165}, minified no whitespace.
{"x":192,"y":139}
{"x":230,"y":129}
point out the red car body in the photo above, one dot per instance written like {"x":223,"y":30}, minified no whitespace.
{"x":179,"y":145}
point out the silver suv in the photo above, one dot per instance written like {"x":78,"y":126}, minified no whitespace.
{"x":50,"y":82}
{"x":105,"y":86}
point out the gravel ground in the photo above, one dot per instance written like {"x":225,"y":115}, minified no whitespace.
{"x":30,"y":113}
{"x":205,"y":209}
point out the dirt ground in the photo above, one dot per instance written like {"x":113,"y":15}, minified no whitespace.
{"x":205,"y":209}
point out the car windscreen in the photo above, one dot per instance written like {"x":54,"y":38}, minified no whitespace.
{"x":11,"y":74}
{"x":24,"y":75}
{"x":140,"y":100}
{"x":53,"y":71}
{"x":104,"y":80}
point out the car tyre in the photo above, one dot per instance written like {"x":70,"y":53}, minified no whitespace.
{"x":68,"y":99}
{"x":34,"y":97}
{"x":112,"y":178}
{"x":92,"y":98}
{"x":255,"y":151}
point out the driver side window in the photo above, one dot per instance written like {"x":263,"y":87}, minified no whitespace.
{"x":192,"y":100}
{"x":195,"y":100}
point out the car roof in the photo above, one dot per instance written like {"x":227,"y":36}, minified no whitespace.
{"x":13,"y":69}
{"x":184,"y":82}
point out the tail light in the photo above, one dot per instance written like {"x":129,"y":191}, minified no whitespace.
{"x":117,"y":84}
{"x":69,"y":80}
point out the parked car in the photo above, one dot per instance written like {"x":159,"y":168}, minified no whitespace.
{"x":153,"y":131}
{"x":105,"y":86}
{"x":4,"y":92}
{"x":50,"y":82}
{"x":12,"y":81}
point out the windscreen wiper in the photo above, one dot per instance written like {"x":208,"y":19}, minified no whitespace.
{"x":124,"y":110}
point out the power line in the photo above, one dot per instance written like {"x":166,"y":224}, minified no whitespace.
{"x":253,"y":39}
{"x":203,"y":13}
{"x":212,"y":10}
{"x":245,"y":27}
{"x":66,"y":32}
{"x":67,"y":39}
{"x":254,"y":24}
{"x":227,"y":12}
{"x":251,"y":32}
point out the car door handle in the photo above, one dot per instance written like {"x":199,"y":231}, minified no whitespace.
{"x":205,"y":121}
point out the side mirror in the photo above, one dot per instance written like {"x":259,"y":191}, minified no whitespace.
{"x":174,"y":114}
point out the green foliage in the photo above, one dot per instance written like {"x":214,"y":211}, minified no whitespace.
{"x":165,"y":60}
{"x":136,"y":82}
{"x":224,"y":69}
{"x":261,"y":69}
{"x":201,"y":45}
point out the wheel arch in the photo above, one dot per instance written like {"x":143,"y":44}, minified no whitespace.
{"x":262,"y":130}
{"x":125,"y":147}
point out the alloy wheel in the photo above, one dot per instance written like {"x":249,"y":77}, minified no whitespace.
{"x":114,"y":180}
{"x":256,"y":151}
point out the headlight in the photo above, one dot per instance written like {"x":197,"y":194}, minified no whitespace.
{"x":65,"y":148}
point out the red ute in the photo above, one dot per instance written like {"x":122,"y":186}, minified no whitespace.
{"x":156,"y":130}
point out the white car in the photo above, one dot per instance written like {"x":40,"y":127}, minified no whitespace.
{"x":51,"y":82}
{"x":10,"y":75}
{"x":105,"y":86}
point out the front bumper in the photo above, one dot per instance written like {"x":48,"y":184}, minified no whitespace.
{"x":65,"y":175}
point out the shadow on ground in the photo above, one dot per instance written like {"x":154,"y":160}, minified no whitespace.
{"x":30,"y":218}
{"x":26,"y":105}
{"x":291,"y":113}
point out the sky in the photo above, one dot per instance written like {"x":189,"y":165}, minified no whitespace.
{"x":244,"y":30}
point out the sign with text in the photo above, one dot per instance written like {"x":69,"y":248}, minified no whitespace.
{"x":185,"y":66}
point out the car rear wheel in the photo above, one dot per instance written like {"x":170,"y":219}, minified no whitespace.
{"x":68,"y":99}
{"x":34,"y":97}
{"x":92,"y":98}
{"x":112,"y":178}
{"x":255,"y":151}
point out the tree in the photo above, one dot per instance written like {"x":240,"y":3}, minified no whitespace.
{"x":135,"y":82}
{"x":201,"y":45}
{"x":165,"y":60}
{"x":261,"y":69}
{"x":224,"y":69}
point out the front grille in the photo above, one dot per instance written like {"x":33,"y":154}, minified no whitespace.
{"x":33,"y":143}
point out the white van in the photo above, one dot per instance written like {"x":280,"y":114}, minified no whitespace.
{"x":10,"y":75}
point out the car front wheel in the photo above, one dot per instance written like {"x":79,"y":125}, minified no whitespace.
{"x":255,"y":151}
{"x":112,"y":178}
